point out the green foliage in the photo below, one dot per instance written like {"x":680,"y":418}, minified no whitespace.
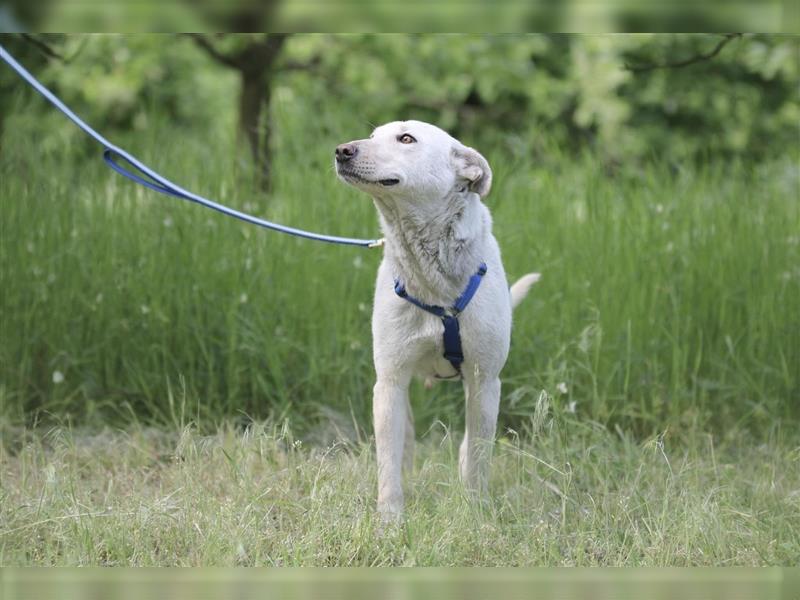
{"x":575,"y":90}
{"x":667,"y":297}
{"x":526,"y":92}
{"x":670,"y":293}
{"x":120,"y":80}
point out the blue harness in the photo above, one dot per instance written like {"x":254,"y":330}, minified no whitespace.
{"x":452,"y":335}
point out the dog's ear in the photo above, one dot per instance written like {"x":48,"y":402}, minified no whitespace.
{"x":472,"y":167}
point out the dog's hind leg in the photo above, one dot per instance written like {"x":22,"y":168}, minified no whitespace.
{"x":483,"y":403}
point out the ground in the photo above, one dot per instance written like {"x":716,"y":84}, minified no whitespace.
{"x":574,"y":493}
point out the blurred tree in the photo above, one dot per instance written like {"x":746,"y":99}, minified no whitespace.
{"x":524,"y":94}
{"x":25,"y":51}
{"x":529,"y":92}
{"x":254,"y":59}
{"x":21,"y":15}
{"x":685,"y":62}
{"x":252,"y":17}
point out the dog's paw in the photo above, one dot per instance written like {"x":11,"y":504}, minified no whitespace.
{"x":390,"y":522}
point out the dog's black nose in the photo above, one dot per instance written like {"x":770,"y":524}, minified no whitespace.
{"x":345,"y":152}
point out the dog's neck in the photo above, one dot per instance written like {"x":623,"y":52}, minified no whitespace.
{"x":434,"y":247}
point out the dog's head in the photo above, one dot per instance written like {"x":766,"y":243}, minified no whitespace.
{"x":412,"y":160}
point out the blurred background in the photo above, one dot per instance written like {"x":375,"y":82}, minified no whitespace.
{"x":470,"y":584}
{"x":651,"y":178}
{"x":476,"y":16}
{"x":695,"y":97}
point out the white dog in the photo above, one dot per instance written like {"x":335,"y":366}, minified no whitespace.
{"x":440,"y":256}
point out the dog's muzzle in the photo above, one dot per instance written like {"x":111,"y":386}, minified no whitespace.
{"x":345,"y":152}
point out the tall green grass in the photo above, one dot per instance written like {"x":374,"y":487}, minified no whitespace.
{"x":670,"y":294}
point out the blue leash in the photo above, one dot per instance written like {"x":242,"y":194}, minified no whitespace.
{"x":145,"y":176}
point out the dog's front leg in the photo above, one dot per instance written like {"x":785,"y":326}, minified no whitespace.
{"x":389,"y":403}
{"x":483,"y":402}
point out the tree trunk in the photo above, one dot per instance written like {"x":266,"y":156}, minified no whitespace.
{"x":255,"y":64}
{"x":253,"y":100}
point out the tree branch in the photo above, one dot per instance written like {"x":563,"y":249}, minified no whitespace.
{"x":689,"y":61}
{"x":42,"y":46}
{"x":204,"y":43}
{"x":293,"y":65}
{"x":256,"y":56}
{"x":275,"y":42}
{"x":262,"y":55}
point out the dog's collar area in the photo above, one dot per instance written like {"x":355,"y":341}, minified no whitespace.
{"x":449,"y":316}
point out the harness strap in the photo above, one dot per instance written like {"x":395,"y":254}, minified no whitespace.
{"x":452,"y":331}
{"x":474,"y":283}
{"x":452,"y":342}
{"x":400,"y":290}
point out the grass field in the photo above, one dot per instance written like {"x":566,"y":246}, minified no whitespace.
{"x":568,"y":493}
{"x":669,"y":296}
{"x":141,"y":335}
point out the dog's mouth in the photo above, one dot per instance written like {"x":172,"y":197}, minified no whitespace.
{"x":352,"y":176}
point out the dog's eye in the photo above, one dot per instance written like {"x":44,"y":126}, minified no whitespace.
{"x":406,"y":139}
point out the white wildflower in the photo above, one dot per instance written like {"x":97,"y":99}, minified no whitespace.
{"x":50,"y":474}
{"x":122,"y":55}
{"x":58,"y":377}
{"x":561,"y":388}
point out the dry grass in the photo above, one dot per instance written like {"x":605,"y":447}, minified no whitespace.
{"x":572,"y":494}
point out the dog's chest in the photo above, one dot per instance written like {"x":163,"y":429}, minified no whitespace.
{"x":425,"y":343}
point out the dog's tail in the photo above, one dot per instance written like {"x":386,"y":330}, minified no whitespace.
{"x":521,"y":288}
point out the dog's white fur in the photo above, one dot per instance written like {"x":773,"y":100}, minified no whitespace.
{"x":428,"y":194}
